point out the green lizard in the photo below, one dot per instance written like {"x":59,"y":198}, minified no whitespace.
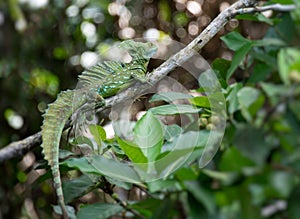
{"x":99,"y":82}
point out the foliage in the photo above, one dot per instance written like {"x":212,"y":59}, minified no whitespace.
{"x":255,"y":174}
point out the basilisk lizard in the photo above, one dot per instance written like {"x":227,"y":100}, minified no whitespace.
{"x":99,"y":82}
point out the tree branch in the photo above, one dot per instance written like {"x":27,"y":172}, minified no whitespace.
{"x":274,"y":7}
{"x":19,"y":148}
{"x":186,"y":53}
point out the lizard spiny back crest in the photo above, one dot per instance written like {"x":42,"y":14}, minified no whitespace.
{"x":100,"y":76}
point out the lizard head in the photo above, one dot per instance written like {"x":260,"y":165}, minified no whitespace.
{"x":140,"y":53}
{"x":138,"y":50}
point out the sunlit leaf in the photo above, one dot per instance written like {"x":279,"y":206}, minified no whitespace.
{"x":169,"y":96}
{"x":148,"y":135}
{"x":200,"y":101}
{"x":185,"y":173}
{"x":173,"y":109}
{"x":133,"y":151}
{"x":98,"y":132}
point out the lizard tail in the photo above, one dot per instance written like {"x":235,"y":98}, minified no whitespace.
{"x":55,"y":119}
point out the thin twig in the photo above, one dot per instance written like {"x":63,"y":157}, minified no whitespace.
{"x":274,"y":7}
{"x":125,"y":206}
{"x":176,"y":60}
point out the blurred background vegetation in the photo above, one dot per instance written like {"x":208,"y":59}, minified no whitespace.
{"x":44,"y":45}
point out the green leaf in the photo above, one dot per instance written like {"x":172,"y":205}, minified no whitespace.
{"x":235,"y":41}
{"x":118,"y":183}
{"x":77,"y":187}
{"x":264,"y":57}
{"x":100,"y":165}
{"x":164,"y":185}
{"x":166,"y":208}
{"x":63,"y":154}
{"x":200,"y":101}
{"x":203,"y":195}
{"x":233,"y":160}
{"x":169,"y":96}
{"x":225,"y":177}
{"x":238,"y":58}
{"x":181,"y":150}
{"x":248,"y":209}
{"x":260,"y":72}
{"x":184,"y":174}
{"x":98,"y":132}
{"x":221,"y":66}
{"x":282,"y":182}
{"x":250,"y":100}
{"x":147,"y":207}
{"x":124,"y":128}
{"x":269,"y":42}
{"x":241,"y":45}
{"x":285,"y":29}
{"x":256,"y":17}
{"x":273,"y":89}
{"x":233,"y":103}
{"x":247,"y":96}
{"x":172,"y":109}
{"x":133,"y":151}
{"x":262,"y":18}
{"x":288,"y":62}
{"x":172,"y":131}
{"x":251,"y":143}
{"x":82,"y":140}
{"x":294,"y":107}
{"x":149,"y":135}
{"x":99,"y":211}
{"x":284,"y":2}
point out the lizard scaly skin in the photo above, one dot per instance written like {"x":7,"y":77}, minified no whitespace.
{"x":99,"y":82}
